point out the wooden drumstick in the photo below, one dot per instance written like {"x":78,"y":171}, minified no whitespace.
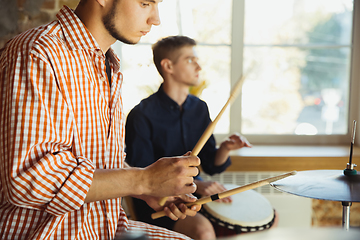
{"x":228,"y":193}
{"x":210,"y":128}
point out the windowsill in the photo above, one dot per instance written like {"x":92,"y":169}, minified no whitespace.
{"x":289,"y":158}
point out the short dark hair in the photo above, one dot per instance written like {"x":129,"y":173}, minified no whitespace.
{"x":167,"y":48}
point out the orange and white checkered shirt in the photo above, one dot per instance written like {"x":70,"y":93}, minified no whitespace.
{"x":59,"y":121}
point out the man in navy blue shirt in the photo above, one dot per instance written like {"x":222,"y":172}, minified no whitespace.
{"x":170,"y":122}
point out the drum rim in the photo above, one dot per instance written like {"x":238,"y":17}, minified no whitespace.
{"x":237,"y":227}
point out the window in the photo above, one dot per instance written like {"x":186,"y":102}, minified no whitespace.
{"x":299,"y":89}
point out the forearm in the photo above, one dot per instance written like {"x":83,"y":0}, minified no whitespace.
{"x":221,"y":155}
{"x":235,"y":141}
{"x":115,"y":183}
{"x":166,"y":177}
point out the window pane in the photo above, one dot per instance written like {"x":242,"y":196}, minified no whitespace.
{"x":301,"y":85}
{"x":288,"y":91}
{"x":298,"y":21}
{"x":212,"y":20}
{"x":141,"y":78}
{"x":207,"y":21}
{"x":215,"y":64}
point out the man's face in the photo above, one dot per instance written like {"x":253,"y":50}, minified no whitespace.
{"x":129,"y":20}
{"x":186,"y":68}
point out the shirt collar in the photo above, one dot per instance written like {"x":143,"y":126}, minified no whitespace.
{"x":171,"y":104}
{"x":77,"y":36}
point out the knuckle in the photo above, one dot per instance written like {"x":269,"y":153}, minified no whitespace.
{"x":181,"y":171}
{"x":175,"y":161}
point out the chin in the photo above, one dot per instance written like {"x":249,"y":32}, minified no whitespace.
{"x":130,"y":41}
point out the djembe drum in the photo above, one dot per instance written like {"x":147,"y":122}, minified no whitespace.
{"x":248,"y":212}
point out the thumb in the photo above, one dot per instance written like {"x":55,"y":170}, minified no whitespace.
{"x":187,"y":154}
{"x":188,"y":197}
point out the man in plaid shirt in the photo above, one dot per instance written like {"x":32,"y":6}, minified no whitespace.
{"x":62,"y":130}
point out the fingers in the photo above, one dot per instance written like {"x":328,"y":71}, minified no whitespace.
{"x":187,"y":154}
{"x":187,"y":198}
{"x":192,"y":161}
{"x":245,"y":141}
{"x":181,"y":211}
{"x":213,"y":188}
{"x":189,"y":211}
{"x":209,"y":188}
{"x":189,"y":188}
{"x":171,"y":176}
{"x":191,"y":171}
{"x":187,"y":170}
{"x":173,"y":212}
{"x":239,"y":141}
{"x":225,"y":200}
{"x":221,"y":188}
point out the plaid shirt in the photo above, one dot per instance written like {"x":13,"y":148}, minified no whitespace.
{"x":59,"y":121}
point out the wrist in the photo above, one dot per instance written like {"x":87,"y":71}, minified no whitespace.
{"x":139,"y":181}
{"x":144,"y":185}
{"x":224,"y":147}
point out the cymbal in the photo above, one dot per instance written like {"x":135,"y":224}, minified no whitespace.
{"x":299,"y":234}
{"x":330,"y":185}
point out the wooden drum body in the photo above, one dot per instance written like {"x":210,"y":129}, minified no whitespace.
{"x":249,"y":212}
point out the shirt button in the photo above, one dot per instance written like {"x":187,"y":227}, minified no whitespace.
{"x":108,"y":215}
{"x":102,"y":79}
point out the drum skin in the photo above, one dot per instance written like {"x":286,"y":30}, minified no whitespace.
{"x":249,"y":212}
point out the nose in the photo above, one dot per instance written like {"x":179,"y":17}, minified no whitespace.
{"x":154,"y":17}
{"x":198,"y":67}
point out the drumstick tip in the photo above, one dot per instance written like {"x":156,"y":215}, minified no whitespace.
{"x":276,"y":178}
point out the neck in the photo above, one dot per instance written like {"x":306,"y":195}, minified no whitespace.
{"x":90,"y":14}
{"x":176,"y":92}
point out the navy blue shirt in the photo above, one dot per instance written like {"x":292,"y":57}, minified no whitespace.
{"x":157,"y":128}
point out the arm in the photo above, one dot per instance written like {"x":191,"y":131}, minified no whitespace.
{"x":38,"y":169}
{"x":166,"y":177}
{"x":235,"y":141}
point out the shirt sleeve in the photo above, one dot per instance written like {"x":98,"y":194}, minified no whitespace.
{"x":139,"y":148}
{"x":38,"y":169}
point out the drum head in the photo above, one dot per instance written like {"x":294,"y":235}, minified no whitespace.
{"x":248,"y":209}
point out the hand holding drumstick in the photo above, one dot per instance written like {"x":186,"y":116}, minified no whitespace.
{"x":230,"y":192}
{"x":182,"y":169}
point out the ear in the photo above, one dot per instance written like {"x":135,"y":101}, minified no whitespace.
{"x":166,"y":65}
